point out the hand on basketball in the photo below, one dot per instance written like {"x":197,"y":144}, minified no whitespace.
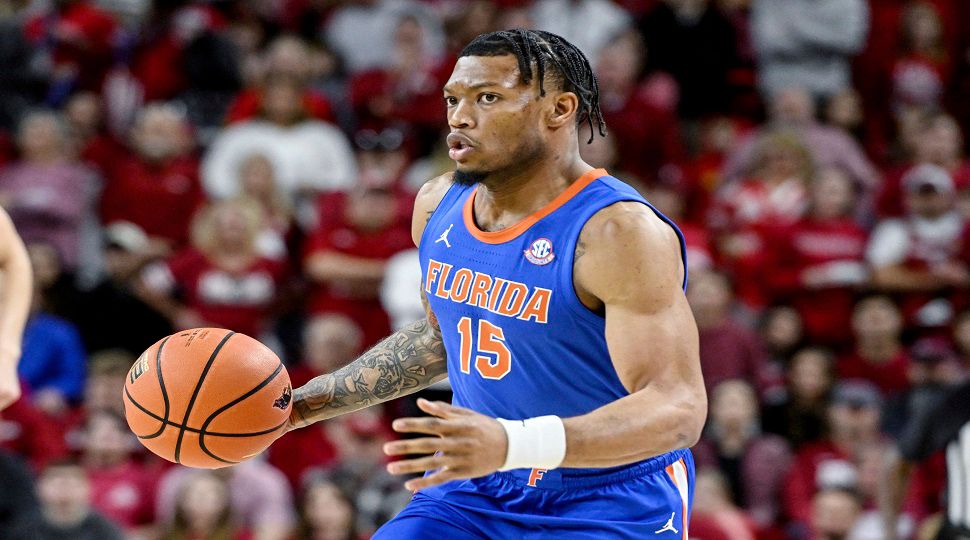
{"x":465,"y":444}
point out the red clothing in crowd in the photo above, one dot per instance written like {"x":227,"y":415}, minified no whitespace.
{"x":802,"y":481}
{"x":124,"y":493}
{"x":80,"y":37}
{"x":240,"y":301}
{"x":891,"y":376}
{"x":302,"y":449}
{"x":731,"y":351}
{"x":890,"y":198}
{"x":338,"y":234}
{"x":381,"y":96}
{"x":833,"y":248}
{"x":646,"y":137}
{"x":249,"y":103}
{"x":161,"y":199}
{"x":29,"y":433}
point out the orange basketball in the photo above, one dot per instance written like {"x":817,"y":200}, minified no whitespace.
{"x":207,"y":397}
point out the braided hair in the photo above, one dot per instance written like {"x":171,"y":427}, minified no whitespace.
{"x":550,"y":54}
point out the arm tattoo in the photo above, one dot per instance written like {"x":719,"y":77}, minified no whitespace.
{"x":580,"y":251}
{"x":405,"y":362}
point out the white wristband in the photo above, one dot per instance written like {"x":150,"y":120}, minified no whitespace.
{"x":538,"y":442}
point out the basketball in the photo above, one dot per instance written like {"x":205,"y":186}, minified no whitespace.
{"x":207,"y":397}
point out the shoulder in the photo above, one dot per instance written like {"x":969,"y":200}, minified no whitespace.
{"x":624,"y":246}
{"x":426,"y":201}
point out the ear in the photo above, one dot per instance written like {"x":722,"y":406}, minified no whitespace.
{"x":565,"y":106}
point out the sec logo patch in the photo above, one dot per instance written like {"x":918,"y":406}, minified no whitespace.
{"x":540,"y":252}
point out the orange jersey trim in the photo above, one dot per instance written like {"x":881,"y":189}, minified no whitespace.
{"x":682,"y":490}
{"x":510,"y":233}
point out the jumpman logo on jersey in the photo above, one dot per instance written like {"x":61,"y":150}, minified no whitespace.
{"x":444,"y":236}
{"x":669,"y":526}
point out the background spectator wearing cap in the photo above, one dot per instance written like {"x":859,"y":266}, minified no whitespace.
{"x":853,"y":418}
{"x":917,"y":256}
{"x":124,"y":320}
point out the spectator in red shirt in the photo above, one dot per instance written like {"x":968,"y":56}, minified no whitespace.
{"x":646,"y":137}
{"x":798,"y":413}
{"x":922,"y":69}
{"x":819,"y":260}
{"x":330,"y":341}
{"x":121,"y":489}
{"x":79,"y":38}
{"x":30,"y":434}
{"x":346,"y":256}
{"x":156,"y":185}
{"x":745,"y":212}
{"x":406,"y":92}
{"x":289,"y":57}
{"x":935,"y":139}
{"x":853,"y":426}
{"x":918,"y":256}
{"x":222,"y":279}
{"x":878,"y":354}
{"x":753,"y":464}
{"x":85,"y":120}
{"x":728,"y":349}
{"x":203,"y":512}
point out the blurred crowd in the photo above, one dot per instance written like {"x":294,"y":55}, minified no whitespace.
{"x":251,"y":165}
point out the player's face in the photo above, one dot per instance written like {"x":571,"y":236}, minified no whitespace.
{"x":494,"y":118}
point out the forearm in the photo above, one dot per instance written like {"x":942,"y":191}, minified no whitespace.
{"x":892,"y":492}
{"x":899,"y":278}
{"x":17,"y":292}
{"x":403,"y":363}
{"x":330,"y":266}
{"x":644,"y":424}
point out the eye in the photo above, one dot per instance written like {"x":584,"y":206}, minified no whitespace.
{"x":488,"y":98}
{"x":451,"y":100}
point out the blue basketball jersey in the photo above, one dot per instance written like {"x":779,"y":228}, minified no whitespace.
{"x":519,"y":341}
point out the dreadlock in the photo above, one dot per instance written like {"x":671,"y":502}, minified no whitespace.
{"x":549,"y":53}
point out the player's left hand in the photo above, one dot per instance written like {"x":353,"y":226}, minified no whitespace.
{"x":465,"y":444}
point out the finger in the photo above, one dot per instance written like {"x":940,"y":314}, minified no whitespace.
{"x":418,"y":465}
{"x":424,"y":445}
{"x":441,"y":409}
{"x":440,"y":477}
{"x":430,"y":426}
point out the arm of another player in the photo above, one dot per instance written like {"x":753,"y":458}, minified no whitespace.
{"x":635,"y":271}
{"x":17,"y":290}
{"x":403,"y":363}
{"x":630,"y":260}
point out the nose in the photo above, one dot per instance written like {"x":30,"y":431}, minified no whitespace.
{"x":461,"y":116}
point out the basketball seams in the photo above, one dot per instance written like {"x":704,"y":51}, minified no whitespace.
{"x":195,"y":394}
{"x":161,"y":385}
{"x":195,"y":430}
{"x":227,"y":406}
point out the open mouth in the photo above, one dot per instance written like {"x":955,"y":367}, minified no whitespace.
{"x":459,"y":146}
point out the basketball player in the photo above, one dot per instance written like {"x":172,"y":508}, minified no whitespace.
{"x":16,"y":290}
{"x":555,"y":303}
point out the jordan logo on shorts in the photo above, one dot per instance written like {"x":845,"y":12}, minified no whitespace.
{"x":444,"y":236}
{"x":669,"y":526}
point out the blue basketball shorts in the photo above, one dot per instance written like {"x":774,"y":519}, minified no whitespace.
{"x":649,"y":499}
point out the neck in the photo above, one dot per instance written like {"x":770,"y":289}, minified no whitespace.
{"x":506,"y":198}
{"x":66,"y":517}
